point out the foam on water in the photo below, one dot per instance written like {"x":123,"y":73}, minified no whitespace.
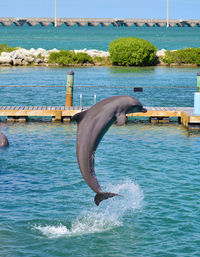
{"x":105,"y":217}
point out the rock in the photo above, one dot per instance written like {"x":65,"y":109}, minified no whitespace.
{"x":38,"y":61}
{"x":5,"y":54}
{"x":97,"y":53}
{"x":161,"y":53}
{"x":53,"y":50}
{"x":19,"y":53}
{"x":46,"y":60}
{"x":29,"y":59}
{"x":17,"y":62}
{"x":41,"y":51}
{"x":6,"y":60}
{"x":93,"y":53}
{"x":25,"y":63}
{"x":32,"y":50}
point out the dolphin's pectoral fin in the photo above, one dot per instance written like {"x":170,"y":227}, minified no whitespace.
{"x":121,"y":119}
{"x":103,"y":196}
{"x":78,"y":116}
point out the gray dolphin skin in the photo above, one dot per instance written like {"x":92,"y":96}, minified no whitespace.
{"x":92,"y":125}
{"x":3,"y":140}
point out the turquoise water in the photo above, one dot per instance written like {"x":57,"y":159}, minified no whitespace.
{"x":96,"y":37}
{"x":46,"y":208}
{"x":163,"y":86}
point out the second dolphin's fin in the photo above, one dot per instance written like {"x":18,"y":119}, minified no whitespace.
{"x":121,"y":119}
{"x":103,"y":196}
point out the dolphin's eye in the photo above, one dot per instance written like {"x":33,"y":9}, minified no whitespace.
{"x":137,"y":108}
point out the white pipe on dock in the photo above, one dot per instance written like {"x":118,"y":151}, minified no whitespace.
{"x":81,"y":101}
{"x":95,"y":98}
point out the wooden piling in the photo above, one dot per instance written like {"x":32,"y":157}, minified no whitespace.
{"x":11,"y":119}
{"x":58,"y":116}
{"x":159,"y":119}
{"x":69,"y":90}
{"x":17,"y":118}
{"x":198,"y":82}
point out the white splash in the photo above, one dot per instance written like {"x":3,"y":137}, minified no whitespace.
{"x":107,"y":216}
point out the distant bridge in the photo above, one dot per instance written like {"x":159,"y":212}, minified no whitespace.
{"x":98,"y":22}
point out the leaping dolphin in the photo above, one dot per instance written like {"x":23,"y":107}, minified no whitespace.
{"x":3,"y":140}
{"x":92,"y":125}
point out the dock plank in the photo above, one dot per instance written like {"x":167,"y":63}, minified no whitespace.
{"x":185,"y":113}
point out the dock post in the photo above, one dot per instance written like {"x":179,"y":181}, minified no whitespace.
{"x":81,"y":101}
{"x":69,"y":90}
{"x":198,"y":82}
{"x":197,"y":97}
{"x":58,"y":116}
{"x":95,"y":98}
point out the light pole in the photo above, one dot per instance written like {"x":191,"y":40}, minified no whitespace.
{"x":55,"y":23}
{"x":167,"y":13}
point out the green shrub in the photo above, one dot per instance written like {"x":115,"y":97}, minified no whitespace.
{"x":132,"y":51}
{"x":5,"y":48}
{"x":183,"y":56}
{"x":102,"y":60}
{"x":66,"y":57}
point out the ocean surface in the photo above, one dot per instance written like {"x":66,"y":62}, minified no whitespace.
{"x":46,"y":208}
{"x":96,"y":37}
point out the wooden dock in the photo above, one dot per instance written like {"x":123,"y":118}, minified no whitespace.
{"x":62,"y":113}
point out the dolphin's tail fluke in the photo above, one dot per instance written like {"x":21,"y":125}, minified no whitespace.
{"x":103,"y":196}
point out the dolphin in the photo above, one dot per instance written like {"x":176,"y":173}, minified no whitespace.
{"x":92,"y":124}
{"x":3,"y":140}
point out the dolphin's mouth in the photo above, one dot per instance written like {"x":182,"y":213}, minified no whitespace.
{"x":144,"y":110}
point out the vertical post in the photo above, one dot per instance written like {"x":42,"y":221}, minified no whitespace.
{"x":69,"y":90}
{"x":198,"y":82}
{"x":197,"y":97}
{"x":95,"y":98}
{"x":55,"y":23}
{"x":81,"y":101}
{"x":167,"y":13}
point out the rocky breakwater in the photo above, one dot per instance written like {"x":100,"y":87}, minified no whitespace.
{"x":93,"y":53}
{"x":24,"y":57}
{"x":40,"y":56}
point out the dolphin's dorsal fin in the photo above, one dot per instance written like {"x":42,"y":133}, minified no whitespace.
{"x":121,"y":119}
{"x":78,"y":116}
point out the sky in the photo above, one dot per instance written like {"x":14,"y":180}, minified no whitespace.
{"x":179,"y":9}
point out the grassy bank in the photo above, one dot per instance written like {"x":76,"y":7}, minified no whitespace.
{"x":183,"y":56}
{"x":71,"y":58}
{"x":7,"y":49}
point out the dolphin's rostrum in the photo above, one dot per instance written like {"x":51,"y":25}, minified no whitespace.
{"x":92,"y":125}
